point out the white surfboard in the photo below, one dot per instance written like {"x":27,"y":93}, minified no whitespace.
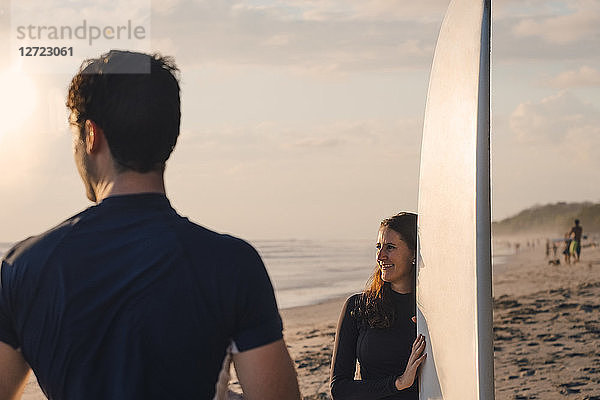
{"x":454,"y":280}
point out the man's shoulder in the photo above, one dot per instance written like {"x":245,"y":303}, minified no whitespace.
{"x":42,"y":245}
{"x":194,"y":234}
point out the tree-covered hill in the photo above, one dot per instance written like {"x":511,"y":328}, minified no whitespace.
{"x":554,"y":219}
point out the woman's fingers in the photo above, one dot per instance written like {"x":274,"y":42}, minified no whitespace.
{"x":414,"y":364}
{"x":419,"y":342}
{"x":419,"y":361}
{"x":417,"y":356}
{"x":420,"y":338}
{"x":417,"y":349}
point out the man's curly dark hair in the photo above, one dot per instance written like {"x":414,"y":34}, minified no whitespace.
{"x":134,"y":98}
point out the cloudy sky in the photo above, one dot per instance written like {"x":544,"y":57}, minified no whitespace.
{"x":303,"y":119}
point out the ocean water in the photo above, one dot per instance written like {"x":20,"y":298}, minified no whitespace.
{"x":307,"y":272}
{"x":310,"y":271}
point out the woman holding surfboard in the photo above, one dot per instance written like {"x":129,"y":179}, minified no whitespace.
{"x":377,"y":327}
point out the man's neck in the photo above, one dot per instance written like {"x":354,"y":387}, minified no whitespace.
{"x":130,"y":182}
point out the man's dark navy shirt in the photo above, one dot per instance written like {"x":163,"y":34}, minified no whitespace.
{"x":129,"y":300}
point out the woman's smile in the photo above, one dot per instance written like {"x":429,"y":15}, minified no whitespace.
{"x":395,"y":260}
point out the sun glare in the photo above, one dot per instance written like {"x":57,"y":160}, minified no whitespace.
{"x":18,"y":97}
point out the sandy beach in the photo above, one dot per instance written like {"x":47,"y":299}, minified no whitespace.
{"x":546,"y":332}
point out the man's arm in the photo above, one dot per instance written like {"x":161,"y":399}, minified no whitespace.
{"x":267,"y":373}
{"x":13,"y":373}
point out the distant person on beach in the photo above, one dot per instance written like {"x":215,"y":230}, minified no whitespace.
{"x":575,"y":233}
{"x":128,"y":300}
{"x":377,"y":326}
{"x":567,"y":249}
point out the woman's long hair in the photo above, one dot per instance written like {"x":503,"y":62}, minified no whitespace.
{"x":376,"y":307}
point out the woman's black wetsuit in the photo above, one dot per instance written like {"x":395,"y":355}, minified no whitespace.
{"x":382,"y":353}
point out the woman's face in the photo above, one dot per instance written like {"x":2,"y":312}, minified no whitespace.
{"x":394,"y":258}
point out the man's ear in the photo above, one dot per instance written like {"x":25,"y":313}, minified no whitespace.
{"x":94,"y":135}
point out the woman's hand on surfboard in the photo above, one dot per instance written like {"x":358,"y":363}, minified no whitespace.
{"x":417,"y":356}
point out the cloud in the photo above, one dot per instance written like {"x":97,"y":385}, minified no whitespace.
{"x":530,"y":8}
{"x":582,"y":77}
{"x":333,"y":37}
{"x":510,"y":48}
{"x":581,"y":21}
{"x":546,"y":31}
{"x":278,"y":142}
{"x":557,"y":121}
{"x":339,"y":134}
{"x":349,"y":10}
{"x":379,"y":10}
{"x":313,"y":143}
{"x":284,"y":35}
{"x":59,"y":12}
{"x":278,"y":40}
{"x":165,"y":7}
{"x":546,"y":151}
